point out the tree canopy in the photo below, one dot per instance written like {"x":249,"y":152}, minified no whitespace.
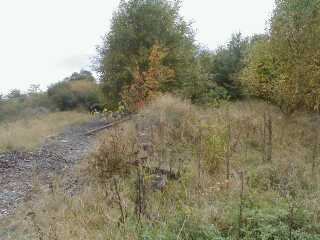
{"x":284,"y":67}
{"x":137,"y":27}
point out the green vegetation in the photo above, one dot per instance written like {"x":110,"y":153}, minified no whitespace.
{"x":219,"y":72}
{"x":219,"y":169}
{"x":218,"y":184}
{"x":283,"y":67}
{"x":140,"y":27}
{"x":136,"y":28}
{"x":151,"y":49}
{"x":78,"y":90}
{"x":16,"y":106}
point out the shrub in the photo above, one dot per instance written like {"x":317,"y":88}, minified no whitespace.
{"x":74,"y":92}
{"x":114,"y":156}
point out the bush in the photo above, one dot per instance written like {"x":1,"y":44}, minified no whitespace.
{"x":113,"y":157}
{"x":74,"y":92}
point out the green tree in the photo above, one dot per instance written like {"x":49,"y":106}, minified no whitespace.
{"x":217,"y":72}
{"x":295,"y":34}
{"x":136,"y":27}
{"x":259,"y":75}
{"x":227,"y":63}
{"x":14,"y":93}
{"x":289,"y":59}
{"x":82,"y":75}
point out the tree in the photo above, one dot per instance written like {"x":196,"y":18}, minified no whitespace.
{"x":82,"y":75}
{"x":135,"y":29}
{"x":259,"y":75}
{"x":199,"y":88}
{"x":288,"y":60}
{"x":295,"y":34}
{"x":34,"y":89}
{"x":147,"y":84}
{"x":227,"y":63}
{"x":216,"y":73}
{"x":14,"y":93}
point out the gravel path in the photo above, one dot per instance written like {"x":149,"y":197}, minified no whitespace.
{"x":19,"y":169}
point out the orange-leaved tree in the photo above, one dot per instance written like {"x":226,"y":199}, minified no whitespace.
{"x":147,"y":83}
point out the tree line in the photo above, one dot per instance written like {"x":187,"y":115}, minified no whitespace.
{"x":151,"y":49}
{"x":78,"y":91}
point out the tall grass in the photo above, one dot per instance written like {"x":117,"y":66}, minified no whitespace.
{"x":217,"y":184}
{"x":25,"y":134}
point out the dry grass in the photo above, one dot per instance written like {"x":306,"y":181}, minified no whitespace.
{"x":25,"y":134}
{"x":209,"y":148}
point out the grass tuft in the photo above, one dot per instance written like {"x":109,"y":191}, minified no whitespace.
{"x":25,"y":134}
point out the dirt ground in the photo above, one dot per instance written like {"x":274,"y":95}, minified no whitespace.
{"x":21,"y":171}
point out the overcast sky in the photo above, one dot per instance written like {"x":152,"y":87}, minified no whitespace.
{"x":43,"y":41}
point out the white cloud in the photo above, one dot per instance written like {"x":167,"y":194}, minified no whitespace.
{"x":43,"y":41}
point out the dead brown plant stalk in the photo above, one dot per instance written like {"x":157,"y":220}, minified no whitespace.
{"x":228,"y":152}
{"x":140,"y":193}
{"x":120,"y":202}
{"x":267,"y":136}
{"x":241,"y":205}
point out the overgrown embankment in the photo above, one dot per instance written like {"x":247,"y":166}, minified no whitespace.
{"x":176,"y":171}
